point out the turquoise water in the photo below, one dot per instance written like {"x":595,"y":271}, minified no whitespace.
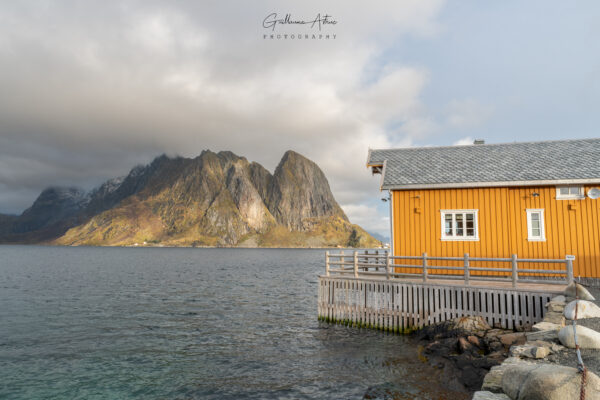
{"x":125,"y":323}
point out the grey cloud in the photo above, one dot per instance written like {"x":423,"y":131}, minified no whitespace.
{"x":91,"y":89}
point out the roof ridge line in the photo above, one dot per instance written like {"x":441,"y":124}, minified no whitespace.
{"x":486,"y":144}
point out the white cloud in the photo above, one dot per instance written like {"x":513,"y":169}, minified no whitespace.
{"x":468,"y":140}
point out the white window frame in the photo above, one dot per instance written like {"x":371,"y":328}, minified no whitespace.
{"x":542,"y":236}
{"x":579,"y":196}
{"x":463,"y":238}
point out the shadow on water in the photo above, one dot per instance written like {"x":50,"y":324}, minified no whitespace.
{"x":97,"y":323}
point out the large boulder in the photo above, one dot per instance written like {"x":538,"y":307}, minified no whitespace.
{"x":585,"y":309}
{"x":576,"y":290}
{"x":548,"y":382}
{"x":586,"y":337}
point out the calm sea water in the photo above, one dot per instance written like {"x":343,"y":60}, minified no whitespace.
{"x":123,"y":323}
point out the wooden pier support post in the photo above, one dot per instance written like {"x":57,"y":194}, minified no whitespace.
{"x":515,"y":272}
{"x":327,"y":263}
{"x":355,"y":264}
{"x":466,"y":268}
{"x":424,"y":267}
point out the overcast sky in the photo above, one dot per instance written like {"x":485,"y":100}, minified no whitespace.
{"x":89,"y":88}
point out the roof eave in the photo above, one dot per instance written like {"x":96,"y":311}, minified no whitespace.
{"x":461,"y":185}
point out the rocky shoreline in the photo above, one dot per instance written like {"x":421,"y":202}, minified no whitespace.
{"x":499,"y":364}
{"x":544,"y":365}
{"x":465,"y":349}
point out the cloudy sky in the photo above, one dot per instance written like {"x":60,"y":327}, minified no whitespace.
{"x":90,"y":89}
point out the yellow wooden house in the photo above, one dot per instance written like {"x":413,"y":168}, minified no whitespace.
{"x":538,"y":200}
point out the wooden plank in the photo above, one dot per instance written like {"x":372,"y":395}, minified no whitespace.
{"x":502,"y":309}
{"x":434,"y":309}
{"x":406,"y":305}
{"x":510,"y":314}
{"x":530,"y":309}
{"x":459,"y":302}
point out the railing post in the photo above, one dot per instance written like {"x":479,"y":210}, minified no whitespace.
{"x":424,"y":267}
{"x":466,"y":268}
{"x":569,"y":260}
{"x":515,"y":272}
{"x":388,"y":266}
{"x":327,"y":263}
{"x":355,"y":264}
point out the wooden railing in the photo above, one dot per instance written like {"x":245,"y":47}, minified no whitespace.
{"x":367,"y":263}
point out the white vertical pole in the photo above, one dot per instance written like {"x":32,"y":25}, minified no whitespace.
{"x":424,"y":267}
{"x":355,"y":264}
{"x":327,"y":263}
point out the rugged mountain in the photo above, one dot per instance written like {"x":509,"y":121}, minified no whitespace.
{"x":53,"y":205}
{"x":6,"y":223}
{"x":215,"y":199}
{"x":300,"y":192}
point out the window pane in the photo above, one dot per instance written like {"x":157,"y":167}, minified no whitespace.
{"x":535,"y":224}
{"x":574,"y":190}
{"x":535,"y":216}
{"x":535,"y":232}
{"x":460,"y":225}
{"x":470,"y":223}
{"x":448,"y":224}
{"x":564,"y":190}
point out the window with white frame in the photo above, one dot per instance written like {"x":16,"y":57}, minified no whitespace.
{"x":459,"y":225}
{"x":571,"y":192}
{"x":535,"y":225}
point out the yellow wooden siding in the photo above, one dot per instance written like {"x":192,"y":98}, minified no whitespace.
{"x":502,"y":225}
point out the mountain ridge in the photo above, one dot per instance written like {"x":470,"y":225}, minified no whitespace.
{"x":214,"y":199}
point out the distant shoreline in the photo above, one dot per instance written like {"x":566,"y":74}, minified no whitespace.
{"x":192,"y":247}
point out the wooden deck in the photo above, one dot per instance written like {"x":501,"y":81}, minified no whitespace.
{"x":370,"y":294}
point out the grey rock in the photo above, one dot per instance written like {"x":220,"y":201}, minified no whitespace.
{"x":549,"y":335}
{"x":576,"y":290}
{"x":529,"y":351}
{"x":555,"y":318}
{"x":484,"y":395}
{"x":558,"y":299}
{"x":544,"y":326}
{"x":586,"y":337}
{"x":555,"y":347}
{"x":513,"y":338}
{"x":493,"y":380}
{"x":547,"y":382}
{"x":585,"y":309}
{"x":556,"y":307}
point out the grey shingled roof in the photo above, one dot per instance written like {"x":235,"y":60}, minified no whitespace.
{"x":551,"y":162}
